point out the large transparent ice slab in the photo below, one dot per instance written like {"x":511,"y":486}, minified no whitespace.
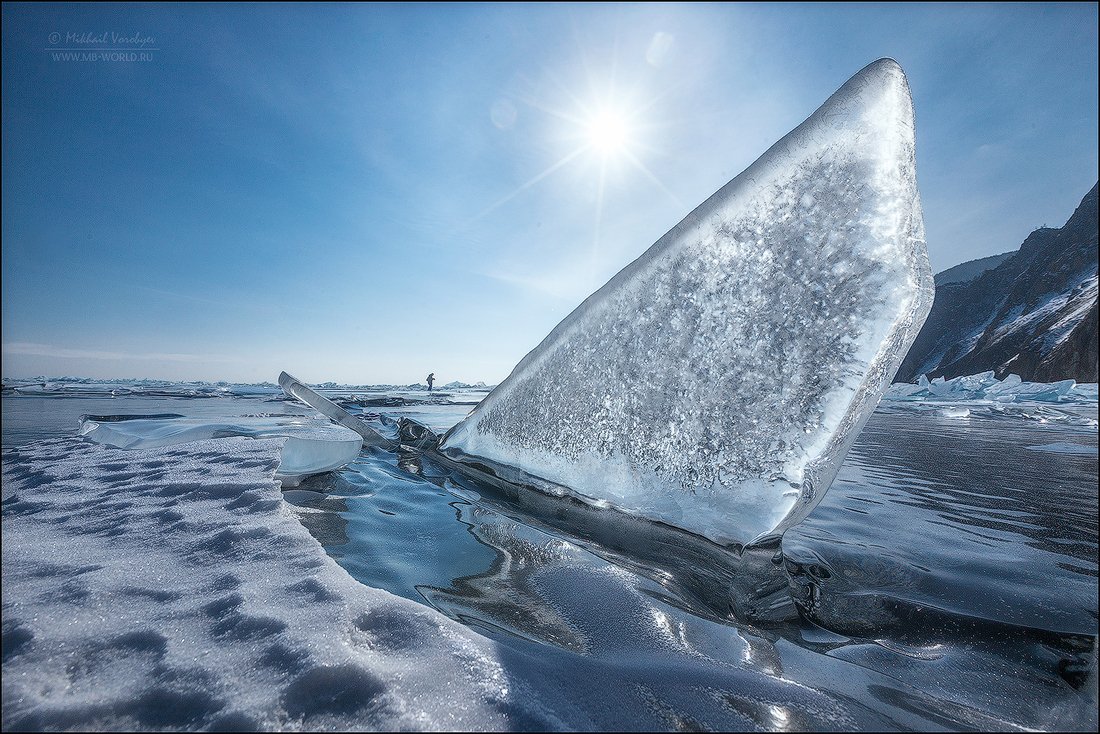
{"x":716,"y":382}
{"x":312,"y":445}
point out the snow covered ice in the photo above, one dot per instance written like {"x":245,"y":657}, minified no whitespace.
{"x":310,"y":445}
{"x":195,"y":599}
{"x":716,"y":382}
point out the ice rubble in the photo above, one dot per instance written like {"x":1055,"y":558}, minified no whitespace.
{"x":310,"y":445}
{"x":79,"y":387}
{"x":717,"y":381}
{"x":986,"y":387}
{"x":984,"y":396}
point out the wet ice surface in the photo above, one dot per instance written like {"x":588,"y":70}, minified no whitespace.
{"x":948,"y":580}
{"x":946,"y":556}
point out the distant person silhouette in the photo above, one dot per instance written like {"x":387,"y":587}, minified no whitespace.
{"x":431,"y":379}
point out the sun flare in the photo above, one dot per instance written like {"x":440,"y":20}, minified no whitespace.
{"x":607,"y":133}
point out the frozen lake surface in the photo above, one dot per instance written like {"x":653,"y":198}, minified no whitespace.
{"x":947,"y":580}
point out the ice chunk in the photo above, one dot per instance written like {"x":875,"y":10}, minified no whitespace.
{"x":312,"y":445}
{"x":296,"y":388}
{"x":968,"y":387}
{"x":1044,"y":391}
{"x":717,"y":381}
{"x":1084,"y":392}
{"x":986,"y":387}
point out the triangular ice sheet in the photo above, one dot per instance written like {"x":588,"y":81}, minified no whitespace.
{"x":717,"y":381}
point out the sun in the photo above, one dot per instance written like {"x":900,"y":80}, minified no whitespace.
{"x":608,"y":133}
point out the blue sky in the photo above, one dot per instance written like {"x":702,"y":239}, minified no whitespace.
{"x":366,"y":193}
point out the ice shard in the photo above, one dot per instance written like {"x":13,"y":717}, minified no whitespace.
{"x":311,"y":446}
{"x":716,"y":382}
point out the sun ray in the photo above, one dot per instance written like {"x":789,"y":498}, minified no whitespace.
{"x":593,"y":253}
{"x":606,"y":123}
{"x":652,"y":150}
{"x":577,"y":119}
{"x":523,"y":187}
{"x":652,"y":177}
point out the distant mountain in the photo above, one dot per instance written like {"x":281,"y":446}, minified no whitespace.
{"x":968,"y":271}
{"x":1033,"y":313}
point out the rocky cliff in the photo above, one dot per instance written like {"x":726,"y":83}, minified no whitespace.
{"x":1033,"y":314}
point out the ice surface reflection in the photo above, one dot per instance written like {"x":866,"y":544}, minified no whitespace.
{"x":947,"y":580}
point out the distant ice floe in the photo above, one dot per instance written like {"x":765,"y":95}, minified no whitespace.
{"x":986,"y":387}
{"x":1065,"y":447}
{"x":79,"y":387}
{"x":310,"y":445}
{"x":60,"y":387}
{"x":983,"y":395}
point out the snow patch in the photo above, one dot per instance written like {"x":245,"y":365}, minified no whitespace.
{"x":173,"y":588}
